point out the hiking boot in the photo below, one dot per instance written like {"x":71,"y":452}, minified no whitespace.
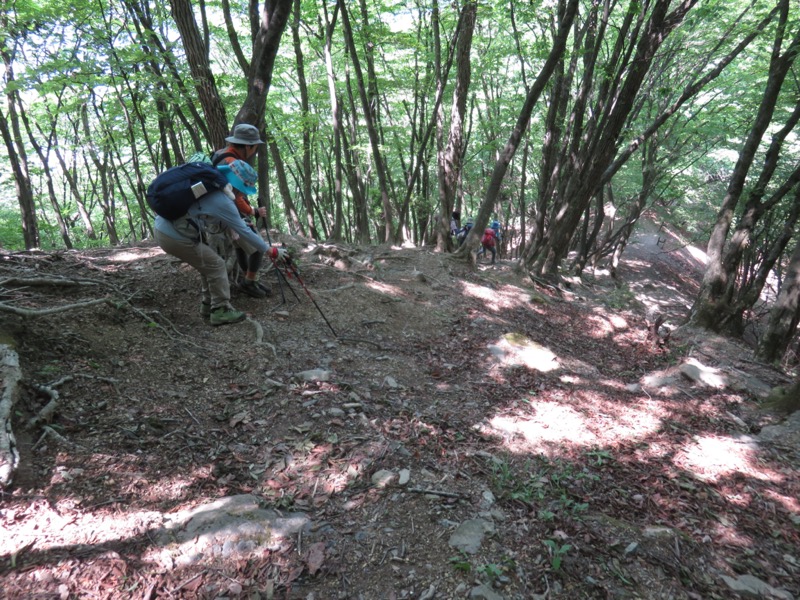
{"x":251,"y":288}
{"x":265,"y":288}
{"x":224,"y":315}
{"x":205,"y":310}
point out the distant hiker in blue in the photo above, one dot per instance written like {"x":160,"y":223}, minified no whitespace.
{"x":491,"y":240}
{"x":497,"y":232}
{"x":464,"y":231}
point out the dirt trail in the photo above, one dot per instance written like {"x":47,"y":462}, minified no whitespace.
{"x":467,"y":433}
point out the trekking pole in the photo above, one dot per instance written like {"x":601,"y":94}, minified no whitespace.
{"x":293,"y":270}
{"x":279,"y":275}
{"x":286,"y":281}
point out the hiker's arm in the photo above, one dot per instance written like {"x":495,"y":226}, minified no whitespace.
{"x":229,"y":216}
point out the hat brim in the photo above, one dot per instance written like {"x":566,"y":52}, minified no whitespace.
{"x":235,"y":140}
{"x":237,"y":183}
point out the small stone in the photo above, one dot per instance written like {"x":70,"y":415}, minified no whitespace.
{"x":405,"y":476}
{"x":384,"y":478}
{"x":753,"y":587}
{"x":235,"y":588}
{"x":469,"y":535}
{"x":314,"y":375}
{"x":483,"y":592}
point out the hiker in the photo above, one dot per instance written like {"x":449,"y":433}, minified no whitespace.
{"x":464,"y":231}
{"x":498,"y":236}
{"x":455,"y":223}
{"x":184,"y":238}
{"x":242,"y":147}
{"x":488,"y":242}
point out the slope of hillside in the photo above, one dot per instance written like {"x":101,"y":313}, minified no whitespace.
{"x":449,"y":433}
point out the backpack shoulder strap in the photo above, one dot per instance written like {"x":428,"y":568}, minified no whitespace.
{"x":217,"y":158}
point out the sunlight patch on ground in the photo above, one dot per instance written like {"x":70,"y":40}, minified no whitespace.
{"x":124,"y":256}
{"x":790,"y":504}
{"x":711,"y":458}
{"x":605,"y":325}
{"x":384,"y":288}
{"x":553,"y":424}
{"x":42,"y":527}
{"x":517,"y":350}
{"x":728,"y":534}
{"x":497,"y":299}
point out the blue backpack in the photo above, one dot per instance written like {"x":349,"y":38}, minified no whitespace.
{"x":176,"y":189}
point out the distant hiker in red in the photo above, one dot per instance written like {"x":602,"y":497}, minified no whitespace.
{"x":243,"y":146}
{"x":489,"y":242}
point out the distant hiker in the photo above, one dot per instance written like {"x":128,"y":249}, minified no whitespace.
{"x":242,"y":147}
{"x":488,"y":242}
{"x":498,"y":236}
{"x":455,"y":223}
{"x":184,"y":238}
{"x":464,"y":231}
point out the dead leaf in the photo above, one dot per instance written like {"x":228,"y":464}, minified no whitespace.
{"x":241,"y":417}
{"x":315,"y":556}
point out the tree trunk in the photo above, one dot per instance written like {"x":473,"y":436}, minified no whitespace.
{"x":357,"y":188}
{"x":566,"y":14}
{"x":336,"y":116}
{"x":200,"y":68}
{"x":709,"y":306}
{"x":784,"y":315}
{"x":283,"y":186}
{"x":748,"y":291}
{"x":74,"y":188}
{"x":12,"y":138}
{"x":274,"y":17}
{"x":48,"y":173}
{"x":452,"y":154}
{"x":583,"y":178}
{"x":170,"y":94}
{"x":305,"y":175}
{"x":105,"y":193}
{"x":689,"y":92}
{"x":377,"y":155}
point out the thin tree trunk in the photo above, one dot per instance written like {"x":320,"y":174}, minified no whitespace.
{"x":336,"y":125}
{"x":48,"y":173}
{"x":689,"y":92}
{"x":15,"y":148}
{"x":283,"y":186}
{"x":619,"y":93}
{"x":163,"y":59}
{"x":305,"y":175}
{"x":357,"y":188}
{"x":453,"y":152}
{"x":72,"y":183}
{"x":372,"y":130}
{"x":105,"y":194}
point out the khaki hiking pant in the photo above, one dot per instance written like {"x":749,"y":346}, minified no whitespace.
{"x":213,"y":273}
